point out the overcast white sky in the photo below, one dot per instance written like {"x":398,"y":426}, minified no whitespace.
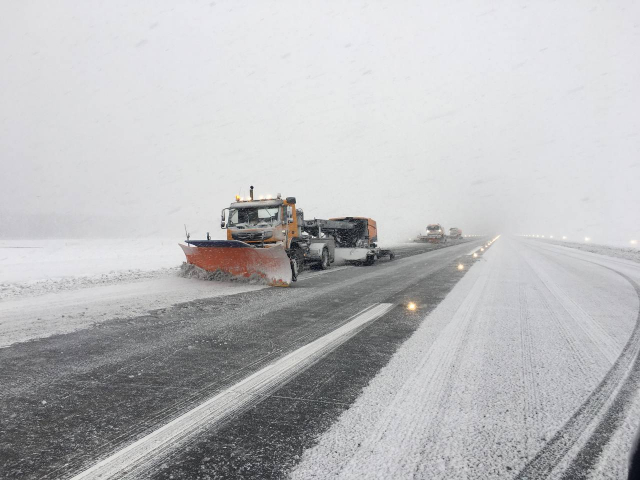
{"x":121,"y":117}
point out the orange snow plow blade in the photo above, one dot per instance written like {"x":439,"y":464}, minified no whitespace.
{"x":240,"y":259}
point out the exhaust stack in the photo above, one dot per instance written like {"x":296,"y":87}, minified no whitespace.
{"x":251,"y":192}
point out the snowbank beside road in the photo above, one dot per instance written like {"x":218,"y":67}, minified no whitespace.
{"x":26,"y":318}
{"x":28,"y":260}
{"x":35,"y":267}
{"x":628,"y":253}
{"x":49,"y":287}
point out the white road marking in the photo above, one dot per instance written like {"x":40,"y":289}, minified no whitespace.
{"x":145,"y":450}
{"x":480,"y":246}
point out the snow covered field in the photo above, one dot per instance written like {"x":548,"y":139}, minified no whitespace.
{"x":495,"y":375}
{"x":34,"y":267}
{"x":628,"y":253}
{"x":49,"y":287}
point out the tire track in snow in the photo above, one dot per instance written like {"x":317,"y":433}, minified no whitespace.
{"x":532,"y":404}
{"x":592,"y":329}
{"x":444,"y":389}
{"x":587,"y":458}
{"x":582,"y":359}
{"x":606,"y":345}
{"x":599,"y":415}
{"x":439,"y":365}
{"x":585,"y":323}
{"x":450,"y":377}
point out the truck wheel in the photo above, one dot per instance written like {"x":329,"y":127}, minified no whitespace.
{"x":297,"y":262}
{"x":371,"y":259}
{"x":295,"y":268}
{"x":325,"y":263}
{"x":392,"y":256}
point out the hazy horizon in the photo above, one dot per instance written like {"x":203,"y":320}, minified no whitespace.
{"x":130,"y":119}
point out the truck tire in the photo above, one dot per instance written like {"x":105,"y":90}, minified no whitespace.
{"x":296,"y":258}
{"x":325,"y":262}
{"x":371,"y":259}
{"x":295,"y":268}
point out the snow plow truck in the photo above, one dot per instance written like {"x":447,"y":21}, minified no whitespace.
{"x":455,"y":233}
{"x":269,"y":238}
{"x":435,"y":234}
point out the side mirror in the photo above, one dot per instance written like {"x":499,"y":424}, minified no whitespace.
{"x":223,"y":219}
{"x":289,"y":214}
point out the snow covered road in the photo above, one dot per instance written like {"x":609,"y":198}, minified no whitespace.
{"x":522,"y":364}
{"x":509,"y":376}
{"x":71,"y":400}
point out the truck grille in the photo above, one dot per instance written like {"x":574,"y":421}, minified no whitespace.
{"x":251,"y":236}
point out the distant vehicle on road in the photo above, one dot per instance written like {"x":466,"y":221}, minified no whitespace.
{"x":435,"y":234}
{"x":455,"y":233}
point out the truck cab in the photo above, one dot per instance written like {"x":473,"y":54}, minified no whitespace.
{"x":435,"y":233}
{"x":266,"y":222}
{"x":263,"y":222}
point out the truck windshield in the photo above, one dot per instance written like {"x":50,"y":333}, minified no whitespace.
{"x":433,"y":228}
{"x":254,"y":216}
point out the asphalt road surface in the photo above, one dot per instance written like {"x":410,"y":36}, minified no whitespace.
{"x":522,"y":364}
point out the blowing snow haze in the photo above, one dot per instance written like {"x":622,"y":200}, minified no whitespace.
{"x":121,"y":118}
